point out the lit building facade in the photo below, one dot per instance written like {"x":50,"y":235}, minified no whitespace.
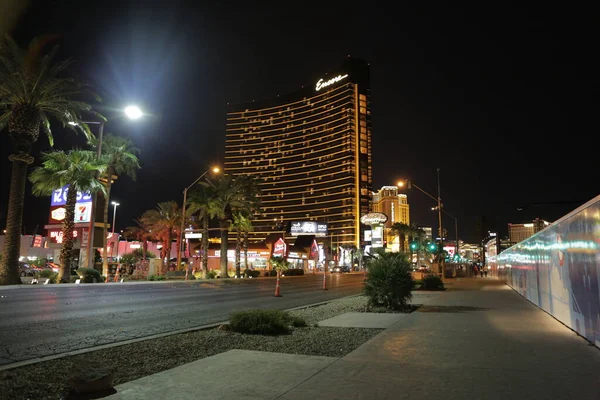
{"x":311,"y":152}
{"x":519,"y":232}
{"x":395,"y":206}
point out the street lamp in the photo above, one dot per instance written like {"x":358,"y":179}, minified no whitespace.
{"x":131,"y":112}
{"x":455,"y":226}
{"x":215,"y":170}
{"x":410,"y":185}
{"x":115,"y":204}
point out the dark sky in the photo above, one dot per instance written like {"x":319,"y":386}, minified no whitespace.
{"x":503,"y":100}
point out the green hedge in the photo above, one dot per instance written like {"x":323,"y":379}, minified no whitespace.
{"x":264,"y":322}
{"x":294,"y":272}
{"x":432,"y":282}
{"x":89,"y":275}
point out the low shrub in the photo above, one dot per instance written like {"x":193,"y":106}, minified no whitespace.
{"x":432,"y":282}
{"x":89,"y":275}
{"x":294,"y":272}
{"x":212,"y":274}
{"x":47,"y":274}
{"x":264,"y":322}
{"x":389,"y":280}
{"x":270,"y":273}
{"x":251,"y":273}
{"x":156,"y":278}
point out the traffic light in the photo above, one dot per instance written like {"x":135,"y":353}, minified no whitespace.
{"x":432,"y":246}
{"x":413,"y":246}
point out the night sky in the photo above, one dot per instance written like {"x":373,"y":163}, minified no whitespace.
{"x":503,"y":100}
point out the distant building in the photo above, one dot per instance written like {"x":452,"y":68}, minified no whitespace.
{"x":311,"y":152}
{"x":428,"y":233}
{"x":394,"y":205}
{"x":519,"y":232}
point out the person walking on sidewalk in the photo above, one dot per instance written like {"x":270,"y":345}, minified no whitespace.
{"x":485,"y":272}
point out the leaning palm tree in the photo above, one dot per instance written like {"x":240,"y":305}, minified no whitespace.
{"x":32,"y":90}
{"x":78,"y":169}
{"x":201,"y":203}
{"x":120,"y":156}
{"x":164,"y":221}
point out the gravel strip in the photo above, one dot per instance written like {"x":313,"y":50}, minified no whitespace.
{"x":49,"y":380}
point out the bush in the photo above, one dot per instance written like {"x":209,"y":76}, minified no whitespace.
{"x":264,"y":322}
{"x":293,"y":272}
{"x":212,"y":274}
{"x":156,"y":278}
{"x":251,"y":273}
{"x":270,"y":273}
{"x":89,"y":275}
{"x":47,"y":274}
{"x":389,"y":280}
{"x":432,"y":282}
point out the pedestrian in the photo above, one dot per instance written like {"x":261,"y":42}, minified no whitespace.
{"x":475,"y":270}
{"x":481,"y":271}
{"x":485,"y":272}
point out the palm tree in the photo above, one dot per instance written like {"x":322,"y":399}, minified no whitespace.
{"x":164,"y":222}
{"x":78,"y":169}
{"x":241,"y":225}
{"x":201,"y":202}
{"x":142,"y":232}
{"x":31,"y":91}
{"x":401,"y":229}
{"x":119,"y":154}
{"x":227,"y":198}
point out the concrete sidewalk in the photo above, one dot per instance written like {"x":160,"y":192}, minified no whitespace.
{"x":477,"y":340}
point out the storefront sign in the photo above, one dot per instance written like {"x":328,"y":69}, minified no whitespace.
{"x":308,"y":228}
{"x":59,"y":196}
{"x":56,"y":236}
{"x":37,"y":241}
{"x":59,"y":214}
{"x":279,"y":249}
{"x":321,"y":83}
{"x":374,"y":218}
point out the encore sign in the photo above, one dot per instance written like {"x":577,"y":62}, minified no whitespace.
{"x":321,"y":83}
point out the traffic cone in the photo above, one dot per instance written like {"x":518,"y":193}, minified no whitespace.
{"x":277,"y":286}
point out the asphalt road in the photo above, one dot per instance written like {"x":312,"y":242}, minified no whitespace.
{"x":45,"y":320}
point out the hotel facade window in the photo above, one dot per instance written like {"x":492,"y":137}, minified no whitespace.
{"x":311,"y":151}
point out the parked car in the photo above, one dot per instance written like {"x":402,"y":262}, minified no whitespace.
{"x":340,"y":269}
{"x":26,"y":269}
{"x":53,"y":266}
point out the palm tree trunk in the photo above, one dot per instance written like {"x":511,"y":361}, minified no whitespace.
{"x":104,"y":229}
{"x":66,"y":251}
{"x":204,"y":247}
{"x":9,"y":268}
{"x":245,"y":244}
{"x":238,"y":248}
{"x":224,"y":238}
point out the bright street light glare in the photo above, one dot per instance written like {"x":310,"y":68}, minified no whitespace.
{"x":133,"y":112}
{"x":216,"y":170}
{"x":400,"y":183}
{"x":114,"y":203}
{"x":73,"y":123}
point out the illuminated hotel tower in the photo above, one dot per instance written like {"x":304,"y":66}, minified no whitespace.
{"x":311,"y":151}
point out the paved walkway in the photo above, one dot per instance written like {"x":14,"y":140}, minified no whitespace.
{"x":477,"y":340}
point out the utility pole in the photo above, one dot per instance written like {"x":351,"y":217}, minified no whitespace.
{"x":441,"y":229}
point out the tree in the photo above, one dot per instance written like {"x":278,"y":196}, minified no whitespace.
{"x":201,"y":201}
{"x":249,"y":193}
{"x":120,"y":156}
{"x":229,"y":197}
{"x":389,"y":280}
{"x":401,"y":230}
{"x":279,"y":264}
{"x":142,"y":232}
{"x":78,"y":169}
{"x":242,"y":225}
{"x":164,"y":222}
{"x":32,"y":91}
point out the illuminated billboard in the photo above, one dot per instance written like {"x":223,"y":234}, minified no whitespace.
{"x":83,"y":206}
{"x":59,"y":196}
{"x":308,"y":228}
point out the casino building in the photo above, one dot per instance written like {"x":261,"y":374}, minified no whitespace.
{"x":311,"y":151}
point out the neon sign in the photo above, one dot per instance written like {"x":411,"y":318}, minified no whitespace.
{"x":321,"y":83}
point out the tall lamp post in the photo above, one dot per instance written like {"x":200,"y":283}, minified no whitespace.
{"x":455,"y":226}
{"x":115,"y":204}
{"x":131,"y":112}
{"x":180,"y":250}
{"x":409,"y":184}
